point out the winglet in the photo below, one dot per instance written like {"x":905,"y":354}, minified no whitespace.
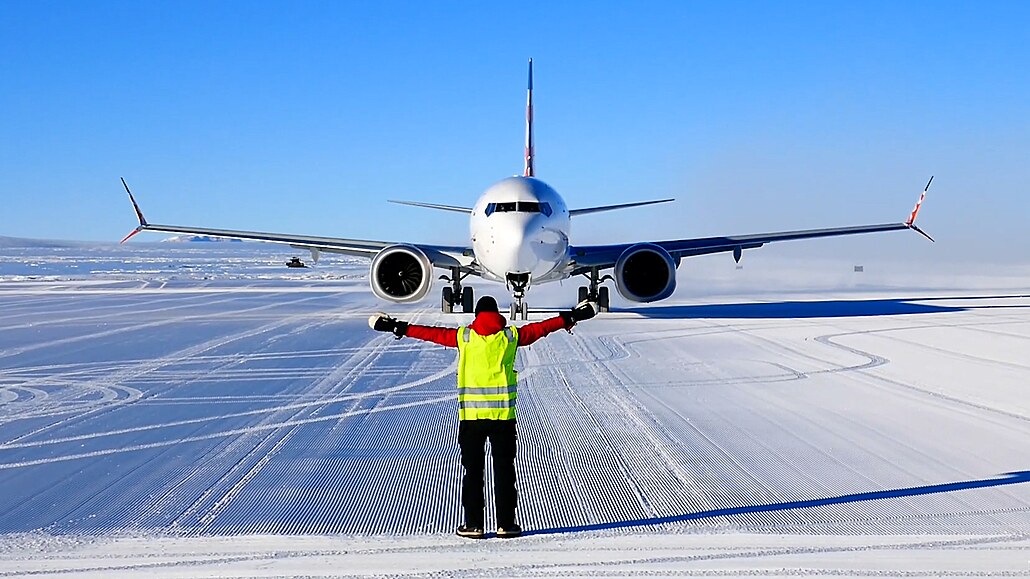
{"x":139,"y":214}
{"x":529,"y":172}
{"x":911,"y":221}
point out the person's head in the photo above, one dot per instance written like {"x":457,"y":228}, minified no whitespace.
{"x":487,"y":304}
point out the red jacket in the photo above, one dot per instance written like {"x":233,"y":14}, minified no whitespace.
{"x":486,"y":324}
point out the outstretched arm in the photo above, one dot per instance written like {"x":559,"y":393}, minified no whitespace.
{"x":436,"y":334}
{"x":563,"y":321}
{"x":384,"y":323}
{"x":533,"y":332}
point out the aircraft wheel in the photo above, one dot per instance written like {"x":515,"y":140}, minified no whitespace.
{"x":525,"y":311}
{"x":604,"y":301}
{"x":583,"y":294}
{"x":467,"y":300}
{"x":512,"y":311}
{"x":447,"y":300}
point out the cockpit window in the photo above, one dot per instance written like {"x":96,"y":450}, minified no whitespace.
{"x":519,"y":207}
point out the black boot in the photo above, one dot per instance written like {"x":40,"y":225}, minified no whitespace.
{"x":509,"y":531}
{"x":470,"y":532}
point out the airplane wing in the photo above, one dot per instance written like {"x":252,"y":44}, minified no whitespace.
{"x":584,"y":211}
{"x":433,"y":206}
{"x":440,"y":255}
{"x":604,"y":256}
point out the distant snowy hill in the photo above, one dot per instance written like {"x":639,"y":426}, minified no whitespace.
{"x":24,"y":242}
{"x":199,"y":238}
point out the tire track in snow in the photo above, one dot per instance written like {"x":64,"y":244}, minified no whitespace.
{"x":130,"y":373}
{"x":873,"y":361}
{"x":319,"y":402}
{"x":829,"y":433}
{"x":66,"y":399}
{"x":225,"y":433}
{"x":828,"y":340}
{"x":632,"y":451}
{"x":113,"y":311}
{"x":915,"y":456}
{"x":758,"y":452}
{"x":869,"y":361}
{"x":164,"y":321}
{"x":347,"y":373}
{"x":846,"y":470}
{"x":168,"y":446}
{"x":378,"y":496}
{"x":644,"y":340}
{"x":251,"y":455}
{"x":749,"y":486}
{"x":335,"y":417}
{"x":950,"y":353}
{"x":71,"y":375}
{"x":760,"y":490}
{"x":706,"y":447}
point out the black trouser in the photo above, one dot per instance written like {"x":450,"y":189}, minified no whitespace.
{"x":472,"y":437}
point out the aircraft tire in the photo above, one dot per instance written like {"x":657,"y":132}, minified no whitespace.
{"x":604,"y":300}
{"x":447,"y":300}
{"x":467,"y":300}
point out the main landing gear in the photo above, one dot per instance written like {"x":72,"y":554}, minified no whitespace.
{"x":455,"y":295}
{"x":595,"y":292}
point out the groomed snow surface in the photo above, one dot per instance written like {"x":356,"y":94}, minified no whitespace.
{"x":205,"y":412}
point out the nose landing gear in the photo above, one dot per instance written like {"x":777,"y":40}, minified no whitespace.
{"x":518,"y":309}
{"x":455,"y":294}
{"x":517,"y":283}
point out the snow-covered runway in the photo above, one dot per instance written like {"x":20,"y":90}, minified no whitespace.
{"x":171,"y":423}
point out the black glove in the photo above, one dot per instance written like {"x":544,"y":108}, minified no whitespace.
{"x":381,"y":322}
{"x":583,"y":311}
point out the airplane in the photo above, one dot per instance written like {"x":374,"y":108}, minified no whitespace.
{"x":520,"y":235}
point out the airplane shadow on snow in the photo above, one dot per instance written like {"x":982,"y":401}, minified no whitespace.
{"x":1002,"y":480}
{"x":819,"y":309}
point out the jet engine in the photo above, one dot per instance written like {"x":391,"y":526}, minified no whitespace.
{"x":645,"y":272}
{"x":401,"y":274}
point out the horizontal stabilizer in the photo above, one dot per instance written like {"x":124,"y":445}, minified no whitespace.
{"x":575,"y":212}
{"x":433,"y":206}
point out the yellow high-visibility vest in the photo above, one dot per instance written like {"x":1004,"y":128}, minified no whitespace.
{"x":486,"y":374}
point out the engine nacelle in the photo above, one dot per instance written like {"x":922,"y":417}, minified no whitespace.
{"x":401,"y":274}
{"x":645,"y":273}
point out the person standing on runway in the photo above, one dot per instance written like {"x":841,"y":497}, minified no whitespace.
{"x":487,"y":391}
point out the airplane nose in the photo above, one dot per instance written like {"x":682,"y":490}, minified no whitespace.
{"x":512,"y":245}
{"x":519,"y":244}
{"x":513,"y":248}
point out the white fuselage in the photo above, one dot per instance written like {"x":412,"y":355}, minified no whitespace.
{"x":521,"y":226}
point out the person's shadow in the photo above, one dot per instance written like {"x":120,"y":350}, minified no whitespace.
{"x":1002,"y":480}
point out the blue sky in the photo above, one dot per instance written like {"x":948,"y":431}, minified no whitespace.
{"x":304,"y":117}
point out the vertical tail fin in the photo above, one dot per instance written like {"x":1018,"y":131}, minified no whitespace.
{"x":529,"y":124}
